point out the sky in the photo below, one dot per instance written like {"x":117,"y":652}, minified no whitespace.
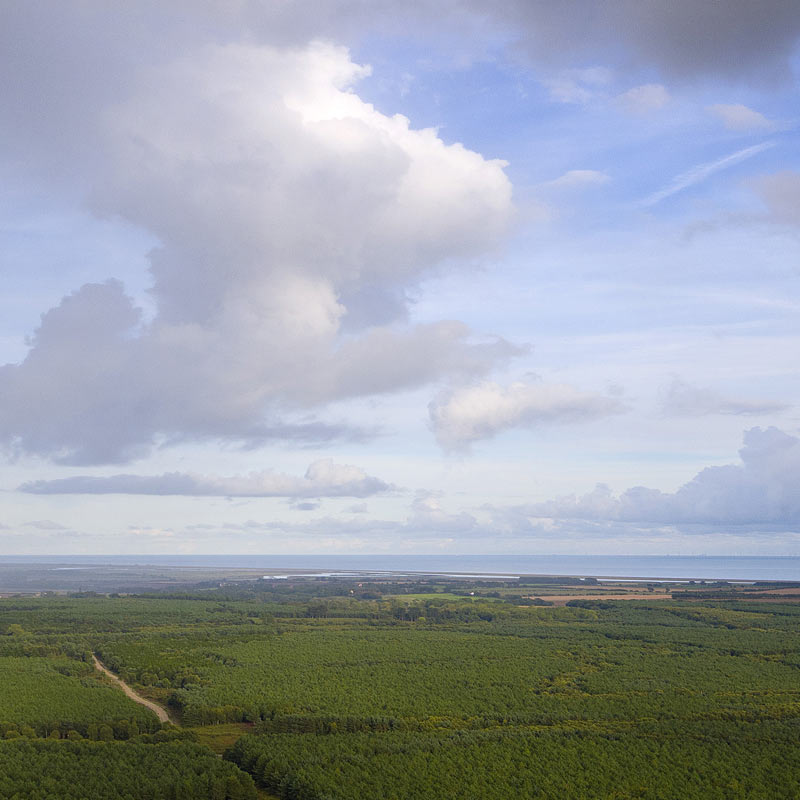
{"x":368,"y":276}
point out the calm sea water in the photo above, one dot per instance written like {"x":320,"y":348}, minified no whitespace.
{"x":776,"y":568}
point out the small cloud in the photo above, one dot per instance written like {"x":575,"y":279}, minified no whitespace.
{"x":681,"y":399}
{"x":428,"y":514}
{"x":467,"y":414}
{"x":358,"y":508}
{"x":404,"y":83}
{"x":577,"y":179}
{"x":152,"y":533}
{"x":306,"y":506}
{"x":644,"y":99}
{"x":737,"y":117}
{"x":578,"y":85}
{"x":45,"y":525}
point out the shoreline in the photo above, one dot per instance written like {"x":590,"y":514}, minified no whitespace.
{"x":136,"y":574}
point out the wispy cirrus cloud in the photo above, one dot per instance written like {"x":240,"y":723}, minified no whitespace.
{"x":682,"y":399}
{"x":702,"y":172}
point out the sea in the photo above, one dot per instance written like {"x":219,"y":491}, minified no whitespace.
{"x":663,"y":567}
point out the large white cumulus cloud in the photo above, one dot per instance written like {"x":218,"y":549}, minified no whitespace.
{"x":248,"y":161}
{"x":292,"y":216}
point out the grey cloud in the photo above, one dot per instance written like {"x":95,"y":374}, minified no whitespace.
{"x":413,"y":358}
{"x":763,"y":490}
{"x":45,"y":525}
{"x":683,"y":39}
{"x":467,"y":414}
{"x":97,"y":388}
{"x":681,"y":399}
{"x":781,"y":195}
{"x":307,"y":433}
{"x":74,"y":393}
{"x":323,"y":478}
{"x":305,"y":506}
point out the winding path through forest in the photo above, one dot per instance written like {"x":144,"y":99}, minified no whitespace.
{"x":160,"y":712}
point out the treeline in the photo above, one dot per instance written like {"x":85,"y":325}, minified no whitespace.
{"x":75,"y":731}
{"x":44,"y":770}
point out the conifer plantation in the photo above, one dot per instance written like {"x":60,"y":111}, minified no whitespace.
{"x":331,"y":690}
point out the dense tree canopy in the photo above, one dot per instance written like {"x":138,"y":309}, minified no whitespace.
{"x":405,"y":695}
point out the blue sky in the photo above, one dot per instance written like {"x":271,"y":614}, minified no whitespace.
{"x":447,"y":277}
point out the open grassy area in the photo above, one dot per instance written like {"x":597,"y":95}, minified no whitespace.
{"x":221,"y":736}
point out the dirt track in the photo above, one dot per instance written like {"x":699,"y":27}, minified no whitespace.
{"x":137,"y":698}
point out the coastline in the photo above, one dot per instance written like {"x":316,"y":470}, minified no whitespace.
{"x":625,"y":568}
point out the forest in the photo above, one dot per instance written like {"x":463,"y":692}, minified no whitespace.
{"x":335,"y":689}
{"x":70,"y":770}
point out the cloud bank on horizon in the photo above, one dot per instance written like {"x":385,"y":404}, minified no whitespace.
{"x":763,"y":489}
{"x":494,"y":253}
